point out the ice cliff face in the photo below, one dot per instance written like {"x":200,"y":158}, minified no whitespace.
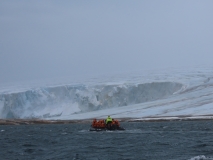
{"x":133,"y":95}
{"x":67,"y":100}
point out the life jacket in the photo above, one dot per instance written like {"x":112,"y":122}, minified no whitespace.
{"x":117,"y":123}
{"x":94,"y":123}
{"x":102,"y":124}
{"x":109,"y":119}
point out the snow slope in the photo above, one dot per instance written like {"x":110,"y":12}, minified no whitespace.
{"x":146,"y":94}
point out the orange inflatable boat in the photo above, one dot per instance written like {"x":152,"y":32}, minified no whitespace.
{"x":100,"y":125}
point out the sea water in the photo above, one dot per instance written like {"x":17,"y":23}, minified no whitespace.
{"x":170,"y":140}
{"x":147,"y":94}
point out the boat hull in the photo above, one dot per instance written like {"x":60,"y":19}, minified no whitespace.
{"x":107,"y":129}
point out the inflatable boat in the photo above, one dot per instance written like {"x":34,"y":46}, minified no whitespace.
{"x":102,"y":126}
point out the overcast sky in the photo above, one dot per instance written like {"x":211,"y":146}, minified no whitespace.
{"x":44,"y":39}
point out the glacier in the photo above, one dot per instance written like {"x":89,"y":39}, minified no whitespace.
{"x":145,"y":94}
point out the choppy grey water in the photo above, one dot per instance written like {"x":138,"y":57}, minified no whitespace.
{"x":179,"y":140}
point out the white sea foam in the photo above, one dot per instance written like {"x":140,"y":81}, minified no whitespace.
{"x":201,"y":157}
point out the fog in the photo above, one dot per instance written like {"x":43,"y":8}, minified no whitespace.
{"x":48,"y":39}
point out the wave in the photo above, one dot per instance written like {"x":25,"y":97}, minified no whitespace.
{"x":201,"y":157}
{"x":67,"y":100}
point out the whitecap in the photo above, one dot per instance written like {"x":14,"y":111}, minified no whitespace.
{"x":201,"y":157}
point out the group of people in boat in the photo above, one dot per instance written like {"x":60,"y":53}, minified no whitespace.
{"x":108,"y":123}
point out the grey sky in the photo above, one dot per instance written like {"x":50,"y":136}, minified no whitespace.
{"x":44,"y":39}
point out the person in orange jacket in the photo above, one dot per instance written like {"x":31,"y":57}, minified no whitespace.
{"x":94,"y":123}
